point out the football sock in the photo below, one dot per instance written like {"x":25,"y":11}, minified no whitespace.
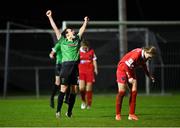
{"x":132,"y":102}
{"x":67,"y":94}
{"x":72,"y":99}
{"x":119,"y":99}
{"x":89,"y":97}
{"x":55,"y":88}
{"x":60,"y":101}
{"x":83,"y":95}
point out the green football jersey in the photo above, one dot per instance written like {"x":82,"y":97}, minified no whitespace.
{"x":69,"y":49}
{"x":57,"y":50}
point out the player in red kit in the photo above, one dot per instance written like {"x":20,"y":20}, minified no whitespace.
{"x":126,"y":74}
{"x":87,"y":68}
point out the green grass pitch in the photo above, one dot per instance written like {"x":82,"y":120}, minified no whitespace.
{"x":153,"y":111}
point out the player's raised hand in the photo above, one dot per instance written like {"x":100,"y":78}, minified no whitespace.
{"x":86,"y":19}
{"x":49,"y":13}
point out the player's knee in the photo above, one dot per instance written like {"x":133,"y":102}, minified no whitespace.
{"x":121,"y":87}
{"x":132,"y":81}
{"x":63,"y":88}
{"x":81,"y":87}
{"x":74,"y":89}
{"x":57,"y":82}
{"x":89,"y":88}
{"x":121,"y":93}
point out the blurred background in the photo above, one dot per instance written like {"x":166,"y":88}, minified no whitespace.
{"x":115,"y":27}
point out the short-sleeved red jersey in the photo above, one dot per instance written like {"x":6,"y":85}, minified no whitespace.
{"x":86,"y":67}
{"x":86,"y":60}
{"x":132,"y":60}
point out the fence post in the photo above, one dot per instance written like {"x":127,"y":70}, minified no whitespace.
{"x":6,"y":61}
{"x":162,"y":79}
{"x":37,"y":81}
{"x":147,"y":79}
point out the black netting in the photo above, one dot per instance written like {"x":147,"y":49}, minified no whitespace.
{"x":29,"y":56}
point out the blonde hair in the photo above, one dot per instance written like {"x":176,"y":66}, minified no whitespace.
{"x":150,"y":50}
{"x":84,"y":43}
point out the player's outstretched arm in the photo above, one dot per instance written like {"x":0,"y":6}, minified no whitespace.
{"x":83,"y":27}
{"x":53,"y":25}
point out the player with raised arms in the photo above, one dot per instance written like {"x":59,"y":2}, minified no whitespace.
{"x":58,"y":57}
{"x":69,"y":44}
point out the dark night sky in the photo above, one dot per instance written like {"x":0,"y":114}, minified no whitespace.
{"x":32,"y":12}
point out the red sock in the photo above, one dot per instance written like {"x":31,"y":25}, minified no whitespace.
{"x":89,"y":97}
{"x":132,"y":102}
{"x":83,"y":95}
{"x":119,"y":99}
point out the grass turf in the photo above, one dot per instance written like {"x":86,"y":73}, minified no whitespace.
{"x":153,"y":111}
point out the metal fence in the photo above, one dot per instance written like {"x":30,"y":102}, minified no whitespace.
{"x":30,"y":71}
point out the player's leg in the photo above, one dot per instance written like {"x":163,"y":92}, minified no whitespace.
{"x":82,"y":93}
{"x":60,"y":99}
{"x":119,"y":99}
{"x":132,"y":100}
{"x":90,"y":79}
{"x":55,"y":89}
{"x":72,"y":99}
{"x":89,"y":94}
{"x":57,"y":84}
{"x":73,"y":80}
{"x":66,"y":100}
{"x":121,"y":81}
{"x":64,"y":78}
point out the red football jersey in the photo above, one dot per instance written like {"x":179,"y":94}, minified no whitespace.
{"x":134,"y":59}
{"x":86,"y":60}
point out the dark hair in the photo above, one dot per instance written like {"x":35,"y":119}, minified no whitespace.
{"x":64,"y":32}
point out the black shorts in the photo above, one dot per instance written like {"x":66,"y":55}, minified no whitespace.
{"x":58,"y":69}
{"x":69,"y":73}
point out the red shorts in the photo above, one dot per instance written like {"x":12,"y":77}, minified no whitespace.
{"x":121,"y":73}
{"x":87,"y":77}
